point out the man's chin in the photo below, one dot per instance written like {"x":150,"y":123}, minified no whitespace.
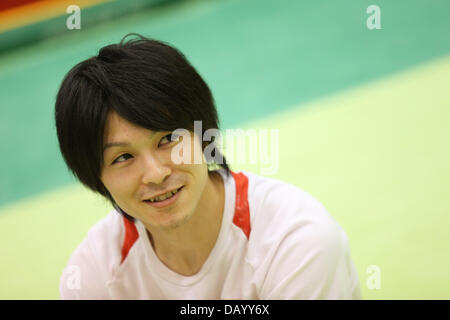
{"x":173,"y":225}
{"x":167,"y":221}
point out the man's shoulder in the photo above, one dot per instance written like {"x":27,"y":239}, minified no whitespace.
{"x":103,"y":241}
{"x":109,"y":227}
{"x":93,"y":263}
{"x":279,"y":209}
{"x":271,"y":197}
{"x":291,"y":229}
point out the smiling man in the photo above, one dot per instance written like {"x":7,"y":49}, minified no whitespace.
{"x":190,"y":229}
{"x":142,"y":179}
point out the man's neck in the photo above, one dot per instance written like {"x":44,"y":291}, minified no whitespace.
{"x":185,"y":249}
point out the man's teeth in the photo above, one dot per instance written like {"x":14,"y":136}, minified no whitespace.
{"x":164,"y":196}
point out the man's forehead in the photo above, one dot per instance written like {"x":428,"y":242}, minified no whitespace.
{"x":113,"y":119}
{"x":118,"y":127}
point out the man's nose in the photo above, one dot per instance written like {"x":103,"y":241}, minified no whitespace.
{"x":154,"y":170}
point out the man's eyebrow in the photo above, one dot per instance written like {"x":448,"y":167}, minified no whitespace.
{"x":126,"y":144}
{"x":115,"y":144}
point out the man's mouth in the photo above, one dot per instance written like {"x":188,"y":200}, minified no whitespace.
{"x":166,"y":196}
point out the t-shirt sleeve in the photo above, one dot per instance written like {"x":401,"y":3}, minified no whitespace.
{"x":82,"y":278}
{"x":311,"y":261}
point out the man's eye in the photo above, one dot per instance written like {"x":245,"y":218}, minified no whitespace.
{"x":122,"y":158}
{"x":171,"y":137}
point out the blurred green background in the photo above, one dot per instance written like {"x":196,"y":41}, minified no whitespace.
{"x":362,"y":117}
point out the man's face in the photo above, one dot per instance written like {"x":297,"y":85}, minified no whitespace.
{"x":138,"y":166}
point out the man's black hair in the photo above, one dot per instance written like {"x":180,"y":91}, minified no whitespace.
{"x":145,"y":81}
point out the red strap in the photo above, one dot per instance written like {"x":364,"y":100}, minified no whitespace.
{"x":131,"y":235}
{"x":242,"y":211}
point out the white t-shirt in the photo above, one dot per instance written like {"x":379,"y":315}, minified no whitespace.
{"x":275,"y":242}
